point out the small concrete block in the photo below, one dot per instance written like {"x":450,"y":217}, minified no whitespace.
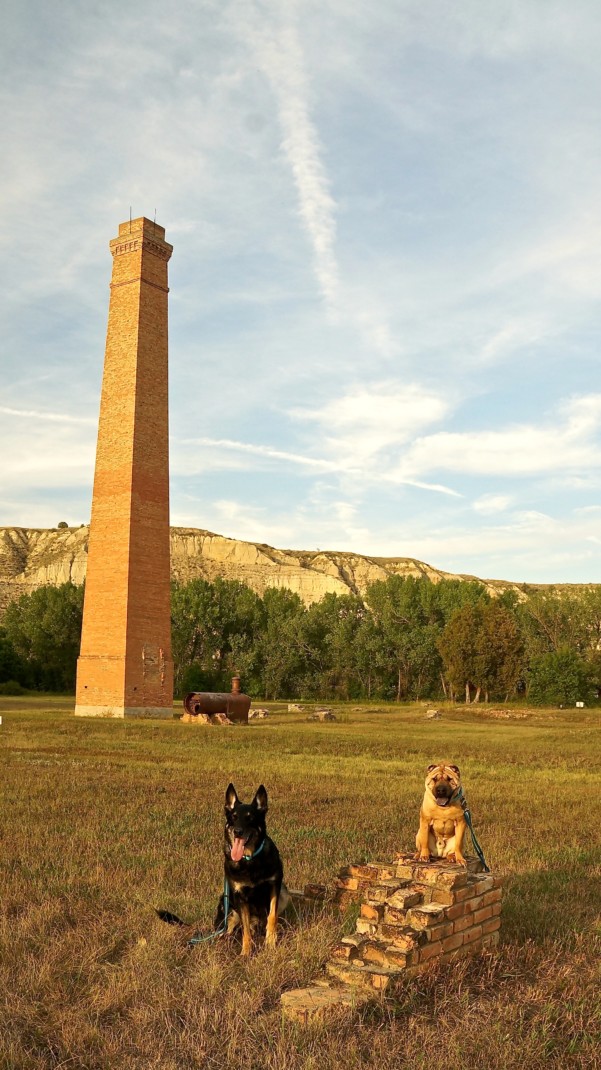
{"x":307,"y":1004}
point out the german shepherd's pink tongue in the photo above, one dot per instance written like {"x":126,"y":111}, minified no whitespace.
{"x":237,"y":849}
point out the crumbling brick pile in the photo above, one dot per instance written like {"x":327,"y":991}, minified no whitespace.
{"x":411,"y":913}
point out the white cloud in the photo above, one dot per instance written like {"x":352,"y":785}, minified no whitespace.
{"x":563,"y":444}
{"x":359,"y":425}
{"x":488,"y":504}
{"x":280,"y":56}
{"x":52,"y":417}
{"x":267,"y":452}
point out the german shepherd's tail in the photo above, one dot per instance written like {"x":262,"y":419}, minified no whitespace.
{"x":171,"y":919}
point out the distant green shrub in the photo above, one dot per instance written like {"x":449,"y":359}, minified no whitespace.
{"x":11,"y":687}
{"x":560,"y":678}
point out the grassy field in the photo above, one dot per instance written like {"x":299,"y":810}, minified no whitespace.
{"x":101,"y":822}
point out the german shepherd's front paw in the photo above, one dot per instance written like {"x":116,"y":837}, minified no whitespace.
{"x":271,"y":939}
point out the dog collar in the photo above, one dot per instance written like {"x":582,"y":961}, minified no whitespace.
{"x":247,"y":858}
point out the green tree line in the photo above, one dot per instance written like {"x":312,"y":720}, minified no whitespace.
{"x":407,"y":639}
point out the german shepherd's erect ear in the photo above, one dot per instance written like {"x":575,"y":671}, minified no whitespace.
{"x":231,"y":797}
{"x":260,"y":799}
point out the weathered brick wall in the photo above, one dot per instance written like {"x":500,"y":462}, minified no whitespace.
{"x":125,"y":663}
{"x":411,"y":914}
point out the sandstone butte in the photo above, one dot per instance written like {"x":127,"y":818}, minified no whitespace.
{"x":33,"y":557}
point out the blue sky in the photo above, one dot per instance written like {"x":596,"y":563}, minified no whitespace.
{"x":384,"y":308}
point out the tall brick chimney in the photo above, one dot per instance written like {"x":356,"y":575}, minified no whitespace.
{"x":125,"y":667}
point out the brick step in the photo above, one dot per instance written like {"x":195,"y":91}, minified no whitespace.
{"x":411,"y":914}
{"x":401,"y":893}
{"x":364,"y":976}
{"x":381,"y":953}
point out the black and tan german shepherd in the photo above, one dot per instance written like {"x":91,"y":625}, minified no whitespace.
{"x":254,"y":874}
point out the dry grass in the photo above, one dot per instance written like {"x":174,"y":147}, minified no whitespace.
{"x":102,"y":821}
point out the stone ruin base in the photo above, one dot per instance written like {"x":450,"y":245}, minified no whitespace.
{"x":205,"y":718}
{"x":411,"y":914}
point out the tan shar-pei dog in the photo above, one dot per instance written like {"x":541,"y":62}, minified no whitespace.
{"x":441,"y":820}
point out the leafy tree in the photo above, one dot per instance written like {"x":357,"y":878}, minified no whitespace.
{"x":44,"y":628}
{"x":482,"y":649}
{"x":214,"y":626}
{"x":501,"y":651}
{"x":327,"y":631}
{"x":459,"y":645}
{"x":553,"y":621}
{"x":451,"y":595}
{"x":560,"y":677}
{"x":11,"y":665}
{"x":404,"y":635}
{"x":281,"y":657}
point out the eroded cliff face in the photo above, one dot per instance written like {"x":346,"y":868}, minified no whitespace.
{"x":30,"y":558}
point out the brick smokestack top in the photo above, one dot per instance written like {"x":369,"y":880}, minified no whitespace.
{"x":125,"y":666}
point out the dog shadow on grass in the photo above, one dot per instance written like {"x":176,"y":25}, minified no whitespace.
{"x":553,"y":902}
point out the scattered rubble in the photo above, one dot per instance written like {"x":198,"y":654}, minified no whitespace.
{"x":205,"y":718}
{"x":322,"y":715}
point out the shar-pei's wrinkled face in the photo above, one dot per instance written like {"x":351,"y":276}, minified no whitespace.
{"x":442,"y":781}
